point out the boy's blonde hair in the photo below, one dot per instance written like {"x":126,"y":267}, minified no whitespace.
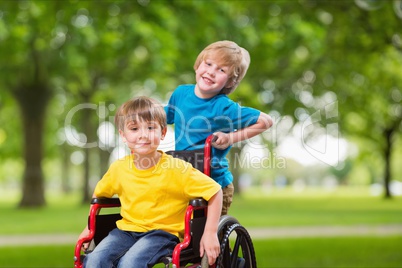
{"x":227,"y":53}
{"x":140,"y":109}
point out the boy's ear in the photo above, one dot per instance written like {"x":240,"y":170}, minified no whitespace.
{"x":230,"y":83}
{"x":121,"y":133}
{"x":164,"y":131}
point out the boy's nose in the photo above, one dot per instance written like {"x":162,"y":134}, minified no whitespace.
{"x":211,"y":72}
{"x":144,"y":133}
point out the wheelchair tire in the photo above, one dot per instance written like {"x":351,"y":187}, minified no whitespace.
{"x":224,"y":222}
{"x":237,"y":250}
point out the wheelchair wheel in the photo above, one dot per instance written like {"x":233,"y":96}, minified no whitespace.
{"x":224,"y":222}
{"x":237,"y":250}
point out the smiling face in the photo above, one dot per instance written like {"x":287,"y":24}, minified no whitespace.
{"x":226,"y":55}
{"x":142,"y":137}
{"x":142,"y":125}
{"x":211,"y":78}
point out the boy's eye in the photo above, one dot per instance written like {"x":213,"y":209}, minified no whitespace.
{"x":132,"y":127}
{"x":207,"y":62}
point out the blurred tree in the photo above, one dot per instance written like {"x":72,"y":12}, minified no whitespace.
{"x":366,"y":75}
{"x":329,"y":59}
{"x":108,"y":58}
{"x":101,"y":52}
{"x":26,"y":75}
{"x":307,"y":57}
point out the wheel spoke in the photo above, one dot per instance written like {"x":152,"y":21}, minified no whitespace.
{"x":235,"y":251}
{"x":241,"y":253}
{"x":226,"y":257}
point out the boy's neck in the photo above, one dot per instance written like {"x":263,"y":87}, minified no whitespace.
{"x":201,"y":95}
{"x":146,"y":162}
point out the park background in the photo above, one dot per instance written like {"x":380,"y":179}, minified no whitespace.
{"x":328,"y":72}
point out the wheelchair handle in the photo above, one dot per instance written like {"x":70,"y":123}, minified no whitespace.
{"x":207,"y":154}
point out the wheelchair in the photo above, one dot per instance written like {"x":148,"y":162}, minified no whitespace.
{"x":237,"y":250}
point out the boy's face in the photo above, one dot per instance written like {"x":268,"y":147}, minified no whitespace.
{"x":142,"y":137}
{"x":211,"y":77}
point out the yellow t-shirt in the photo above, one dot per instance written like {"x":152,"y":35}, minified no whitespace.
{"x":156,"y":198}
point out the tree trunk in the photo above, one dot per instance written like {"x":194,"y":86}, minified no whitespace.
{"x":33,"y":190}
{"x":387,"y":156}
{"x":33,"y":93}
{"x":65,"y":167}
{"x":87,"y":129}
{"x":85,"y":190}
{"x":33,"y":100}
{"x":104,"y":156}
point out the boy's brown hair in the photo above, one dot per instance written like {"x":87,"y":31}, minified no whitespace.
{"x":227,"y":53}
{"x":142,"y":109}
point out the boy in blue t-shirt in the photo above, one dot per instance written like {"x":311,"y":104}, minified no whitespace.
{"x":200,"y":110}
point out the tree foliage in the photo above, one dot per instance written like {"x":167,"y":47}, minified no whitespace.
{"x":307,"y":56}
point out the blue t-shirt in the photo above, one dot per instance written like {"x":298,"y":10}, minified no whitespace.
{"x":195,"y":119}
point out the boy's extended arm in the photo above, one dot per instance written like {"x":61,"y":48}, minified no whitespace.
{"x":85,"y":232}
{"x":209,"y":242}
{"x":224,"y":140}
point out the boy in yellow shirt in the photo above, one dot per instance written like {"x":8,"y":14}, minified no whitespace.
{"x":154,"y":190}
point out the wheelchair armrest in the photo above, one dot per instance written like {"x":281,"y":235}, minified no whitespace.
{"x":109,"y":202}
{"x":97,"y":204}
{"x":198,"y":203}
{"x":195,"y":205}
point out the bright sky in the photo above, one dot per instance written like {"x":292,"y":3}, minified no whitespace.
{"x":324,"y":150}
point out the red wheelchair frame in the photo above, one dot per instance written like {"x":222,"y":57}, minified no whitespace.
{"x":187,"y":251}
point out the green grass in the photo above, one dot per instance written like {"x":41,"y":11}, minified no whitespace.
{"x":319,"y":210}
{"x":350,"y":252}
{"x":37,"y":256}
{"x":65,"y":214}
{"x":62,"y":215}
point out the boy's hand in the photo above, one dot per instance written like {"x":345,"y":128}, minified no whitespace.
{"x":221,"y":140}
{"x":209,"y":245}
{"x":83,"y":234}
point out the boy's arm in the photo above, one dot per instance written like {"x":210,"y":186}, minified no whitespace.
{"x":85,"y":232}
{"x":224,"y":140}
{"x":209,"y":242}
